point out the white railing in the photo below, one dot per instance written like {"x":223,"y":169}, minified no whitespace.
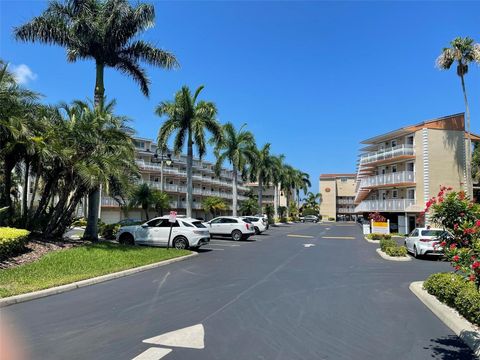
{"x":389,"y":153}
{"x":389,"y":179}
{"x":108,"y":201}
{"x":384,"y":205}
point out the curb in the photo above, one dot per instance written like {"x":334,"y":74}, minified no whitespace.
{"x":392,"y":258}
{"x":469,"y":334}
{"x":372,"y":241}
{"x":96,"y":280}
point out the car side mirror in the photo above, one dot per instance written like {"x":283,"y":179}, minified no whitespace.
{"x":144,"y":225}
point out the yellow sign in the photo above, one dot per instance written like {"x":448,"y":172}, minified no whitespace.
{"x":380,"y":224}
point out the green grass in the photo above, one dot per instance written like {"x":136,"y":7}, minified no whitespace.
{"x":84,"y":262}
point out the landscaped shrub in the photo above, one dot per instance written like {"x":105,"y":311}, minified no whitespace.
{"x":445,"y":286}
{"x":331,"y":219}
{"x":80,"y":222}
{"x":109,"y":231}
{"x":12,"y":241}
{"x":386,"y":243}
{"x":396,"y":251}
{"x":468,"y":303}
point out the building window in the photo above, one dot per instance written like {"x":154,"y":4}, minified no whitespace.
{"x":343,"y":179}
{"x":394,"y":168}
{"x":411,"y":194}
{"x":395,"y":194}
{"x":410,"y":140}
{"x":394,"y":143}
{"x":410,"y":166}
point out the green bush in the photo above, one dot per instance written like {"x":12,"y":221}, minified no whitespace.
{"x":12,"y":241}
{"x":387,"y":243}
{"x":468,"y":303}
{"x":80,"y":222}
{"x":376,"y":236}
{"x":308,"y":211}
{"x":331,"y":219}
{"x":396,"y":251}
{"x":445,"y":286}
{"x":109,"y":231}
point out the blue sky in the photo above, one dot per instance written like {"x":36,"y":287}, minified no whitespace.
{"x":312,"y":78}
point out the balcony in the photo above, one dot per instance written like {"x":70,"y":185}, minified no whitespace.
{"x":396,"y":178}
{"x":387,"y":154}
{"x":384,"y":205}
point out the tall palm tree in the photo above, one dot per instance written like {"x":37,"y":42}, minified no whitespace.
{"x":462,"y":51}
{"x":237,"y":148}
{"x":189,"y":119}
{"x":104,"y":31}
{"x":302,"y":182}
{"x":262,"y":170}
{"x":277,"y":180}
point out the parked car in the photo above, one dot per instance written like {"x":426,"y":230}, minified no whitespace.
{"x":425,"y":241}
{"x":310,"y":218}
{"x":265,"y":217}
{"x":127,"y":222}
{"x":259,"y":223}
{"x":232,"y":226}
{"x":186,"y":233}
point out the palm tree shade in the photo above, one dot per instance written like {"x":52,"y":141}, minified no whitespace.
{"x":189,"y":118}
{"x":237,"y":148}
{"x":462,"y":51}
{"x":103,"y":31}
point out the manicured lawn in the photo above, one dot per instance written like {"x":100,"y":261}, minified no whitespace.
{"x":66,"y":266}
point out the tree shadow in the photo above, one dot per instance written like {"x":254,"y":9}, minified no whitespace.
{"x":451,"y":348}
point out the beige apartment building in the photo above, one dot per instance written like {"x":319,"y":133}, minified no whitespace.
{"x":337,"y":196}
{"x":205,"y":184}
{"x":398,"y":172}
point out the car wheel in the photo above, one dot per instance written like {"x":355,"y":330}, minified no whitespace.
{"x":416,"y":255}
{"x":126,"y":239}
{"x":237,"y":235}
{"x":257,"y":231}
{"x":180,"y":243}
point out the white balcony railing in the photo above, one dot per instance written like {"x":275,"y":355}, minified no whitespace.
{"x":384,"y":205}
{"x":399,"y":177}
{"x":389,"y":153}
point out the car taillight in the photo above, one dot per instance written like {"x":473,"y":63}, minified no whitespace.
{"x":425,"y":240}
{"x":199,"y":232}
{"x":248,"y":226}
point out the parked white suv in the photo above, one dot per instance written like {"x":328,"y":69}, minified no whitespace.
{"x":259,"y":223}
{"x":232,"y":226}
{"x":186,"y":233}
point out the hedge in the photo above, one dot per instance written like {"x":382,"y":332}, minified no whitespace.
{"x":109,"y":231}
{"x":12,"y":241}
{"x":456,"y":292}
{"x":396,"y":251}
{"x":387,"y":243}
{"x":376,"y":236}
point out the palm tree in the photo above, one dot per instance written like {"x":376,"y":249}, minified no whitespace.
{"x":213,"y":205}
{"x":101,"y":30}
{"x":237,"y":148}
{"x":277,"y":179}
{"x":302,"y":182}
{"x":189,"y":119}
{"x":144,"y":197}
{"x":312,"y":201}
{"x":463,"y":51}
{"x":263,"y":169}
{"x":161,"y":201}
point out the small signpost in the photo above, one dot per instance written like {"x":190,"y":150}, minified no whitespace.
{"x":381,"y":227}
{"x":172,"y":218}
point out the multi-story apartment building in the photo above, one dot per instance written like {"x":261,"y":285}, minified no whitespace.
{"x":337,"y":196}
{"x":400,"y":170}
{"x":205,"y":183}
{"x":268,"y":194}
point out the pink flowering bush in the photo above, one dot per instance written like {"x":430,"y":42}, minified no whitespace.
{"x":377,"y":217}
{"x":461,"y":217}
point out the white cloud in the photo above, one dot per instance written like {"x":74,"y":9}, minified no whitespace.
{"x":22,"y":73}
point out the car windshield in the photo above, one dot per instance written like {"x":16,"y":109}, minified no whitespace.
{"x":432,"y":232}
{"x":198,"y":224}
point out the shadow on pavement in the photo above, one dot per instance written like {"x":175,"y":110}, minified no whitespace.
{"x":450,"y":348}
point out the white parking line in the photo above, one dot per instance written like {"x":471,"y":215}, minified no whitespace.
{"x":206,"y":248}
{"x":216,"y":244}
{"x":153,"y":354}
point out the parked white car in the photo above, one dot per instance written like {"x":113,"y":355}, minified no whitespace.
{"x":424,"y":241}
{"x":186,"y":233}
{"x":259,"y":223}
{"x":232,"y":226}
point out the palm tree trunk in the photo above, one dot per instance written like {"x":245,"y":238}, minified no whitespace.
{"x":7,"y":201}
{"x":91,"y":231}
{"x":189,"y":174}
{"x":35,"y":185}
{"x":234,"y":199}
{"x":469,"y":143}
{"x":275,"y":201}
{"x":25,"y":191}
{"x":145,"y":208}
{"x":260,"y":193}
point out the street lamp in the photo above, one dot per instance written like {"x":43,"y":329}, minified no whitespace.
{"x":161,"y":158}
